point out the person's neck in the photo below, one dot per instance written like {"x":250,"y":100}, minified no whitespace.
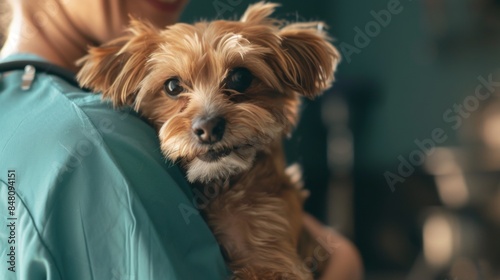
{"x":55,"y":39}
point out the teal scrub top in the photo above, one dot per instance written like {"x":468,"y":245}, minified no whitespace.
{"x":91,"y":196}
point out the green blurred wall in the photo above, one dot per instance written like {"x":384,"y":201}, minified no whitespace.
{"x":418,"y":82}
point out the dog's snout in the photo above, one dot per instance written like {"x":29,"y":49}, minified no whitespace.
{"x":209,"y":130}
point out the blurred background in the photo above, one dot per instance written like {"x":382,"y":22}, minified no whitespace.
{"x":402,"y":154}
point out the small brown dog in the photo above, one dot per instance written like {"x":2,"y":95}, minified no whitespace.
{"x":222,"y":95}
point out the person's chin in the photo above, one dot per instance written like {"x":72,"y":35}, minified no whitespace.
{"x":167,"y":6}
{"x":159,"y":13}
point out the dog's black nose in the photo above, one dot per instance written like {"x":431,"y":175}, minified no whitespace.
{"x":209,"y":130}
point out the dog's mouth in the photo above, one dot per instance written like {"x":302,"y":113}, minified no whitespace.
{"x":215,"y":155}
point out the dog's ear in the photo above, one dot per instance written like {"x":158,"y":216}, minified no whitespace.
{"x":307,"y":60}
{"x":117,"y":67}
{"x":259,"y":13}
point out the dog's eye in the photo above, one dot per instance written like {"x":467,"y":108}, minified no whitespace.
{"x":239,"y":79}
{"x":173,"y":87}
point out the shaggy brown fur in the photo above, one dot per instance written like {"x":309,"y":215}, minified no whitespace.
{"x":257,"y":215}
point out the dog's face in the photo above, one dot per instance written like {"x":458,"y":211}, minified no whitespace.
{"x":218,"y":92}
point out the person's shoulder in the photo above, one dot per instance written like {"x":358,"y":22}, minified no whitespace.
{"x":51,"y":104}
{"x":97,"y":118}
{"x":61,"y":122}
{"x":87,"y":115}
{"x":91,"y":124}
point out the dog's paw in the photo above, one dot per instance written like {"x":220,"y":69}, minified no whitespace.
{"x":294,"y":172}
{"x":270,"y":275}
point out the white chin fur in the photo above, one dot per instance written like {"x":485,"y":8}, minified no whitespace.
{"x":201,"y":171}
